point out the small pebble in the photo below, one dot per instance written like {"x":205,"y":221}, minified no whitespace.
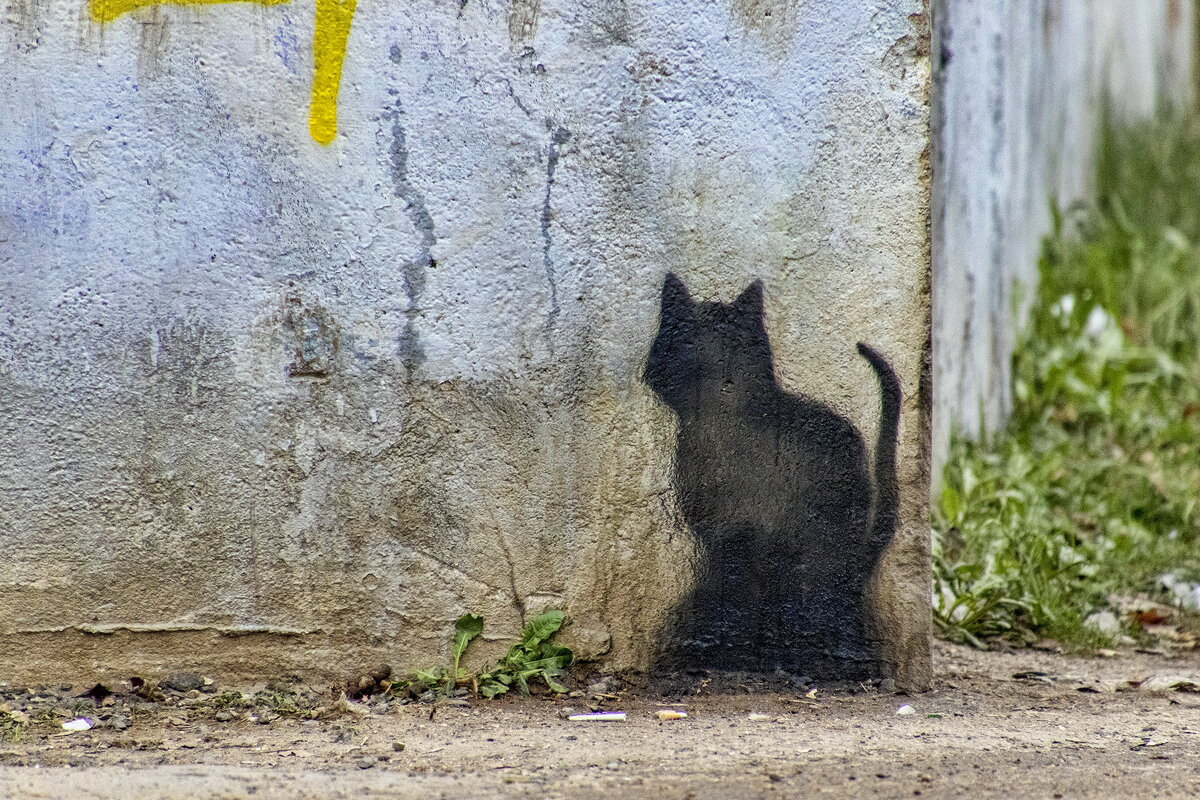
{"x":182,"y":681}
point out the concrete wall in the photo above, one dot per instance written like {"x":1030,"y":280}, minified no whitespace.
{"x":1020,"y":87}
{"x":272,"y":405}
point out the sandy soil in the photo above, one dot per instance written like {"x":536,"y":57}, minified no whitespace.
{"x":1081,"y":728}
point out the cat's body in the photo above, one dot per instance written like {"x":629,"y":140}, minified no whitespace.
{"x":777,"y":490}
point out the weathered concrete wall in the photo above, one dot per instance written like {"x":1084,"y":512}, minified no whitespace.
{"x":1020,"y":86}
{"x":270,"y":405}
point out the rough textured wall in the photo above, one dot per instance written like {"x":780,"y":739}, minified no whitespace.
{"x":271,"y":405}
{"x":1020,"y":88}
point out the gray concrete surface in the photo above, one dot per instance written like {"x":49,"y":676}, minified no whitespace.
{"x":268,"y":405}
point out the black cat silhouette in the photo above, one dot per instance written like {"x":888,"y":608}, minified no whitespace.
{"x":776,"y":489}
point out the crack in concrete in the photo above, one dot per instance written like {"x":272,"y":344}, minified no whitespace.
{"x":412,"y":355}
{"x":454,"y":568}
{"x":517,"y":601}
{"x":558,"y":137}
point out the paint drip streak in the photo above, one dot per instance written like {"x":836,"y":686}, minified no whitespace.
{"x":329,"y":53}
{"x":559,"y":137}
{"x":413,"y":278}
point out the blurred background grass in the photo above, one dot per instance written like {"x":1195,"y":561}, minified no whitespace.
{"x":1084,"y":512}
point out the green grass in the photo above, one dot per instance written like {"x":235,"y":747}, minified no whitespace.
{"x":1093,"y":489}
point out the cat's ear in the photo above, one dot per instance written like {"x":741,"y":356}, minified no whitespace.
{"x":750,"y":301}
{"x":675,"y":295}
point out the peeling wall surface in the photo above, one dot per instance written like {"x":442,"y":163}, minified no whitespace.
{"x":1021,"y":85}
{"x":269,"y":404}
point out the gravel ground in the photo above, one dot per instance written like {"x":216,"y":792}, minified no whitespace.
{"x":997,"y":725}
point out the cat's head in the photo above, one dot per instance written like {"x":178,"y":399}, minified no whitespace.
{"x":708,"y":353}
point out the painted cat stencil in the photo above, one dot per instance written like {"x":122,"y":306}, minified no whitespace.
{"x":788,"y":520}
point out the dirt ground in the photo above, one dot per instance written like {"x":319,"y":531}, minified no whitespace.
{"x":997,"y":725}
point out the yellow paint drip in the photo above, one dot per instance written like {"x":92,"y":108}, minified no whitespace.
{"x":330,"y":34}
{"x":329,"y":52}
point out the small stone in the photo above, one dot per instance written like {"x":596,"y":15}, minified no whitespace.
{"x":398,"y":747}
{"x":223,"y":716}
{"x":905,"y":711}
{"x":1105,"y":622}
{"x":118,"y":723}
{"x":603,"y":686}
{"x":182,"y":681}
{"x":366,"y":763}
{"x":756,"y":717}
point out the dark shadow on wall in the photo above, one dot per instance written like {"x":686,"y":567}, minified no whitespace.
{"x":777,"y":492}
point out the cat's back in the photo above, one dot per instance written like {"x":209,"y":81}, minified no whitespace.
{"x":815,"y":443}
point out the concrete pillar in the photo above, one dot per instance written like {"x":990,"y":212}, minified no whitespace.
{"x":322,"y":325}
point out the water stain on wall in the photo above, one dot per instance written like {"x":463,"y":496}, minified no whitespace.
{"x":330,"y":34}
{"x":24,"y":19}
{"x":522,"y":19}
{"x":311,"y":337}
{"x":153,"y":35}
{"x":773,"y":20}
{"x":789,"y":521}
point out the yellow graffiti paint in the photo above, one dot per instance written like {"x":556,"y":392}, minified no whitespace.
{"x":108,"y":10}
{"x":329,"y":52}
{"x":330,"y":34}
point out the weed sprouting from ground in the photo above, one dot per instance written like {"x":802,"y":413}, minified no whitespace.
{"x":1091,"y":495}
{"x":533,"y":657}
{"x":13,"y":725}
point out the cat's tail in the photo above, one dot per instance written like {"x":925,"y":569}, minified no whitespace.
{"x":887,"y":492}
